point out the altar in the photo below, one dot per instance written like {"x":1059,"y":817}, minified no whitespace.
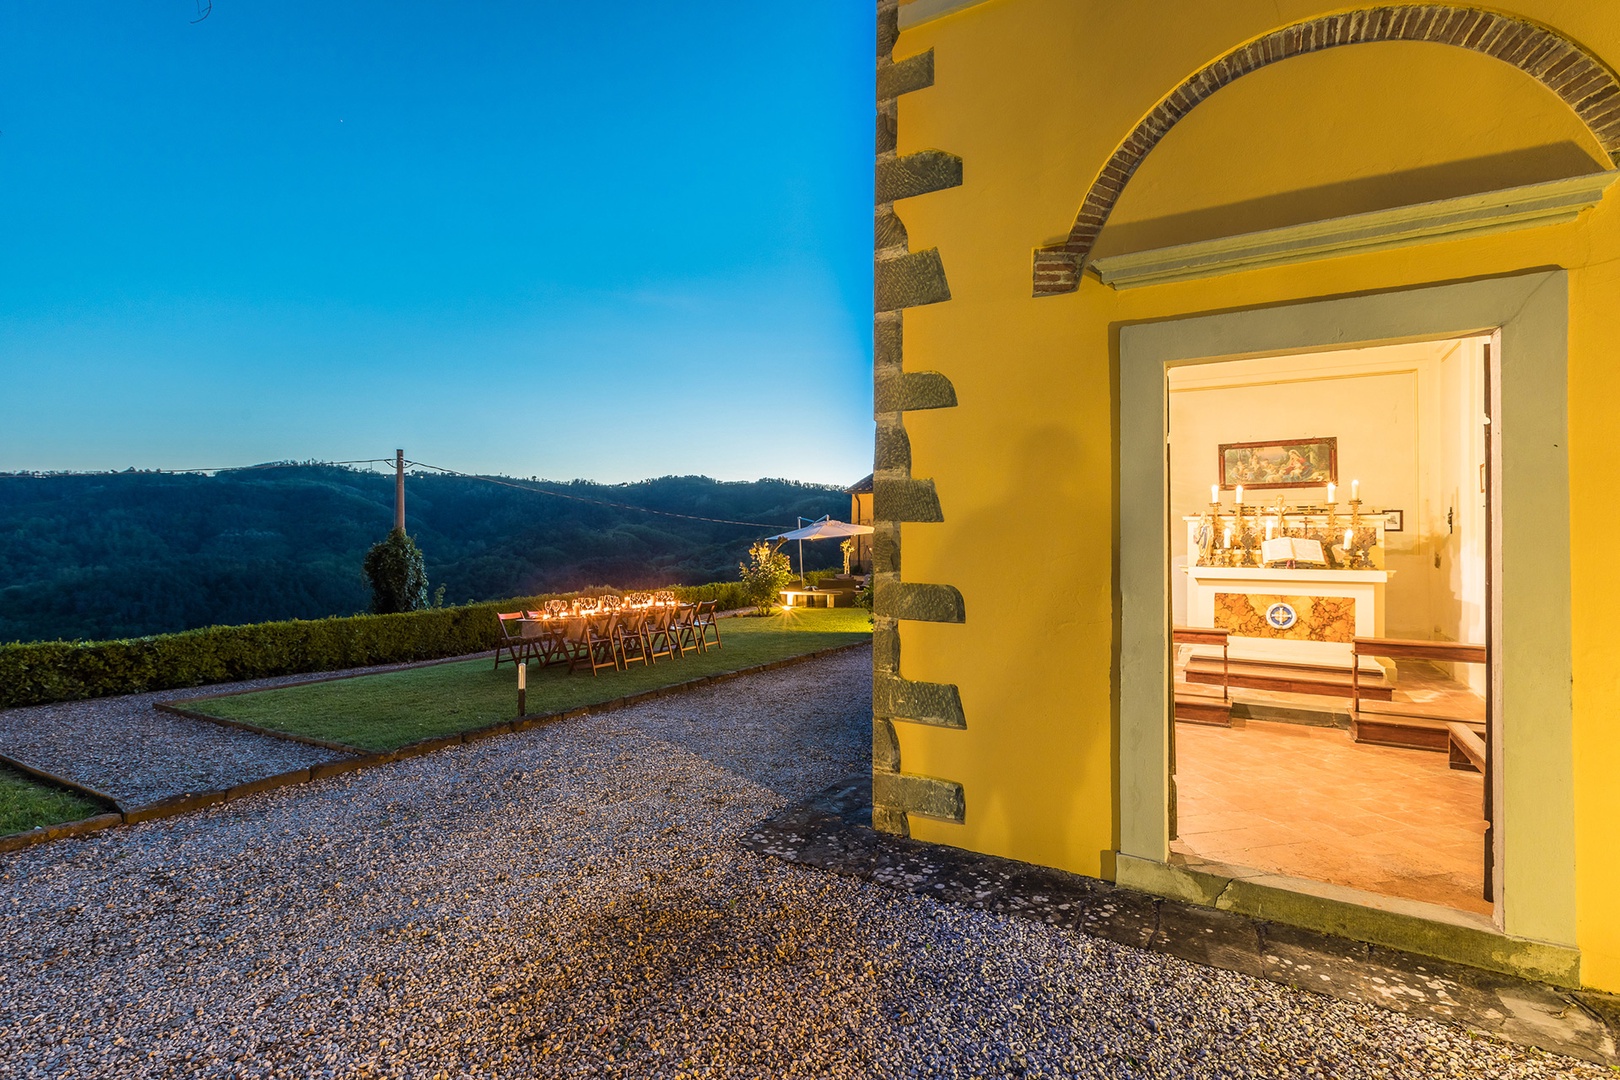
{"x":1298,"y":616}
{"x":1286,"y":612}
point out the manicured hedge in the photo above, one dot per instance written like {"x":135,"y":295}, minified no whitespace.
{"x":36,"y":673}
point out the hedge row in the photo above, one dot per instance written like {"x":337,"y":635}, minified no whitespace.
{"x":37,"y":673}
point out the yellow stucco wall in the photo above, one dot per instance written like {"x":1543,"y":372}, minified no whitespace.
{"x":1034,"y":95}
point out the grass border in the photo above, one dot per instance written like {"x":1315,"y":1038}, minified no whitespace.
{"x":358,"y":759}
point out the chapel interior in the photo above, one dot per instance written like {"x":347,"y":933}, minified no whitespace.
{"x":1329,"y":532}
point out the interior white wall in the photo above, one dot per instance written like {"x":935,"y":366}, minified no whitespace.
{"x":1401,"y":414}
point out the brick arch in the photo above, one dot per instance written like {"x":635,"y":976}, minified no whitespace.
{"x":1580,"y":79}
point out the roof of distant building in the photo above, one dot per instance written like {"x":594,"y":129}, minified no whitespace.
{"x":861,"y":487}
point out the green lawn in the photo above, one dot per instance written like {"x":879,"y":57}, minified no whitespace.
{"x":25,"y":803}
{"x":387,"y":711}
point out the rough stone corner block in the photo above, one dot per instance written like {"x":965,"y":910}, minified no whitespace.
{"x":909,"y":281}
{"x":939,"y":704}
{"x":904,"y":76}
{"x":885,"y":746}
{"x":891,"y":820}
{"x":916,"y":174}
{"x":943,"y":799}
{"x":905,"y":499}
{"x":920,"y":603}
{"x":914,"y":390}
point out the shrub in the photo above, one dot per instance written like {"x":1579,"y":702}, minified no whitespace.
{"x":397,"y":576}
{"x":766,"y":573}
{"x":37,"y":673}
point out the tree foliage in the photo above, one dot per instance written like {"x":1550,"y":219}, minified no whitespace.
{"x":397,"y":575}
{"x":766,"y":573}
{"x":126,"y":554}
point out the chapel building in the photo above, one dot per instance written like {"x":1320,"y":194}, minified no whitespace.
{"x":1246,"y":481}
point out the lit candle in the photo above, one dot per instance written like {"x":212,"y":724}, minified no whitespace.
{"x":1355,"y":489}
{"x":1228,"y":536}
{"x":1240,"y":494}
{"x":1332,"y":490}
{"x":1214,"y":493}
{"x":1347,"y":538}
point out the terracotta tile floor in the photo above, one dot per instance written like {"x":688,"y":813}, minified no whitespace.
{"x":1308,"y":802}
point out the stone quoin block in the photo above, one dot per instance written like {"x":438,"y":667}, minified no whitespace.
{"x":919,"y":602}
{"x":916,"y":174}
{"x":888,"y":231}
{"x":885,"y":747}
{"x":904,"y":76}
{"x":938,"y":704}
{"x":886,"y":548}
{"x":943,"y":799}
{"x":913,"y":390}
{"x":892,"y":448}
{"x":907,"y":499}
{"x":885,"y":645}
{"x":909,"y":281}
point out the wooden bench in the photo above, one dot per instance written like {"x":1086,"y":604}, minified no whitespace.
{"x":1388,"y":729}
{"x":1197,"y":710}
{"x":1465,"y":748}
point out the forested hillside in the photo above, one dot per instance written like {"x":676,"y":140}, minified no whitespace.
{"x":125,"y":554}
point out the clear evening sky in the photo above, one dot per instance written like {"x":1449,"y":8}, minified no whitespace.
{"x":557,"y":239}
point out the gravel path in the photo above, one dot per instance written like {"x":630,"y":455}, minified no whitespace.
{"x":572,"y":901}
{"x":122,"y":747}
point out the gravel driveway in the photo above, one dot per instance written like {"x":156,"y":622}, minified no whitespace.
{"x":572,"y":901}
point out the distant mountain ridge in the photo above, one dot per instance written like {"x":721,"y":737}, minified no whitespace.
{"x":101,"y":555}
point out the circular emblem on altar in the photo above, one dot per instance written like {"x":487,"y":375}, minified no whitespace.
{"x":1281,"y":616}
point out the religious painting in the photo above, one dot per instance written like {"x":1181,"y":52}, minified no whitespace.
{"x":1279,"y":464}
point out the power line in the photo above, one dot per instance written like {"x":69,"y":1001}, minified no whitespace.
{"x":521,"y":486}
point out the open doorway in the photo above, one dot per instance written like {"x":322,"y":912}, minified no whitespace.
{"x":1330,"y":542}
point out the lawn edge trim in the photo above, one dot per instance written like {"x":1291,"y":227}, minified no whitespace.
{"x":99,"y":797}
{"x":176,"y":805}
{"x":243,"y":725}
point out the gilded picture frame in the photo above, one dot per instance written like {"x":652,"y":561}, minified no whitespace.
{"x":1279,"y":463}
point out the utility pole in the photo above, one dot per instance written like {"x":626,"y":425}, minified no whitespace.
{"x":399,"y":491}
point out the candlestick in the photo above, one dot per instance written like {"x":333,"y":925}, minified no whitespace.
{"x":1348,"y":536}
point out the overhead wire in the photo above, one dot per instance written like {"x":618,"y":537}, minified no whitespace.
{"x":528,"y":486}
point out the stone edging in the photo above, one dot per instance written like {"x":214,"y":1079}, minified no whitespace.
{"x":831,"y":831}
{"x":357,"y":759}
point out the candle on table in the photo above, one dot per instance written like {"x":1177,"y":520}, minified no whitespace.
{"x":1229,"y":536}
{"x":1214,"y":493}
{"x":1240,"y":494}
{"x":1347,"y":538}
{"x":1332,"y":488}
{"x":1355,"y":489}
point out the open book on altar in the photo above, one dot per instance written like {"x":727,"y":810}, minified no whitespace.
{"x":1292,"y":549}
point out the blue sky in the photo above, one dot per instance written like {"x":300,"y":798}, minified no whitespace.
{"x":553,"y":239}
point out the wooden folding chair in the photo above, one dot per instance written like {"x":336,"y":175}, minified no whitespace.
{"x":683,"y":629}
{"x":630,"y":638}
{"x":512,"y":645}
{"x":660,"y":633}
{"x":601,"y":648}
{"x":704,"y":618}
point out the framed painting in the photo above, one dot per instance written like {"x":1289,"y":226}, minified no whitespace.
{"x":1280,"y":463}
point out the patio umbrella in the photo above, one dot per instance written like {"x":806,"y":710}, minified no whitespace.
{"x":823,"y":528}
